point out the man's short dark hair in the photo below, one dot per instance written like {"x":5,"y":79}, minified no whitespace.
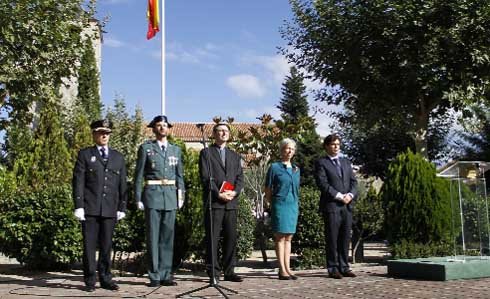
{"x":331,"y":138}
{"x":215,"y":127}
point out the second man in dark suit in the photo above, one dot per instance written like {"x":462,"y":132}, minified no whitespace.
{"x":224,"y":166}
{"x":338,"y":186}
{"x":159,"y":188}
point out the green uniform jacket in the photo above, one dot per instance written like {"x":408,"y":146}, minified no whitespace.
{"x":154,"y":164}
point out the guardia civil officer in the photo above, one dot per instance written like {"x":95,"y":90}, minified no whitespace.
{"x":159,"y":187}
{"x":100,"y":194}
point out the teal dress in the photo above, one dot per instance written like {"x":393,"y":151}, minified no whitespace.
{"x":284,"y":184}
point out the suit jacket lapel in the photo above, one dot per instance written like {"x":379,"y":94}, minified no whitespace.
{"x":111,"y":156}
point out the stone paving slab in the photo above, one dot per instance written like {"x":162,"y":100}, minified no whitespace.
{"x":372,"y":282}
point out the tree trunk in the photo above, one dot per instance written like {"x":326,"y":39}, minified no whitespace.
{"x":421,"y":126}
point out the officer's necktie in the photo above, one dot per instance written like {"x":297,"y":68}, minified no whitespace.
{"x":336,"y":162}
{"x":103,"y":154}
{"x":163,"y":148}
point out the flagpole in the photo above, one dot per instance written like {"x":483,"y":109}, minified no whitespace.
{"x":162,"y":22}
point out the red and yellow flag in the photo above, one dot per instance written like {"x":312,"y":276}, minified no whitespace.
{"x":153,"y":18}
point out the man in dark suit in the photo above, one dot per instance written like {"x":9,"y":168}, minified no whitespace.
{"x":100,"y":194}
{"x":224,"y":166}
{"x":338,"y":186}
{"x":159,"y":187}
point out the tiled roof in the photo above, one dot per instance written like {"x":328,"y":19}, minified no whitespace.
{"x":189,"y":132}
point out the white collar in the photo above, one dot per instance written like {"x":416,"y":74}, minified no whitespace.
{"x":165,"y":143}
{"x":105,"y":147}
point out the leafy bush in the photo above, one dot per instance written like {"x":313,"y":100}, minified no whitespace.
{"x":404,"y":249}
{"x":368,"y":215}
{"x":38,"y":228}
{"x":309,"y":240}
{"x":417,"y":203}
{"x":189,"y":226}
{"x":246,"y":227}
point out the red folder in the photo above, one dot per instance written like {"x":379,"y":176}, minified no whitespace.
{"x":226,"y":186}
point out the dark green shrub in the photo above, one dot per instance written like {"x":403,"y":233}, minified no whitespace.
{"x":404,"y":249}
{"x":417,"y":203}
{"x":309,"y":240}
{"x":246,"y":228}
{"x":189,"y":226}
{"x":368,"y":215}
{"x":38,"y":228}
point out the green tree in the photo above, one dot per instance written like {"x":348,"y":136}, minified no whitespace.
{"x":294,"y":102}
{"x":419,"y":55}
{"x":41,"y":157}
{"x":40,"y":42}
{"x":416,"y":202}
{"x":88,"y":98}
{"x":294,"y":107}
{"x":374,"y":141}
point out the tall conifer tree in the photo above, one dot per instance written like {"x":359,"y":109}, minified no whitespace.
{"x":294,"y":107}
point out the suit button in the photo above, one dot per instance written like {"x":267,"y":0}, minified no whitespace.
{"x":106,"y":170}
{"x":104,"y":194}
{"x":105,"y":186}
{"x":105,"y":178}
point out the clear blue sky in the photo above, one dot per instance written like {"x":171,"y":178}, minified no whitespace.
{"x":222,"y":58}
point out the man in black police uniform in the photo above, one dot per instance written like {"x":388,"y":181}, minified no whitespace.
{"x":225,"y":166}
{"x":100,"y":194}
{"x":338,"y":186}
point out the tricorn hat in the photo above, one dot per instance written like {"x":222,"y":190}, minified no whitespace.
{"x":103,"y":125}
{"x":157,"y":119}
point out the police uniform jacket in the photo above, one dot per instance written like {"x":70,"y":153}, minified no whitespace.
{"x":100,"y":186}
{"x":155,"y":164}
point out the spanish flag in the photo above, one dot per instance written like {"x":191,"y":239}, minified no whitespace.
{"x":153,"y":18}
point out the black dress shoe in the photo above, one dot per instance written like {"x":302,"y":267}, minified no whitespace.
{"x":349,"y":274}
{"x":233,"y":277}
{"x":168,"y":282}
{"x":89,"y":289}
{"x":112,"y":286}
{"x":154,"y":283}
{"x":335,"y":275}
{"x":284,"y":277}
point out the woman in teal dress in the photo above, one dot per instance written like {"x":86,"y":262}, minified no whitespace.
{"x":282,"y":191}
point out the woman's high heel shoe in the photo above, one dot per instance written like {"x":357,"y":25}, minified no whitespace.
{"x":283,"y":277}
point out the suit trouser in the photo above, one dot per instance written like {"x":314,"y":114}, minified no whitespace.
{"x":223,"y":221}
{"x":160,"y":226}
{"x":97,"y":230}
{"x":338,"y":225}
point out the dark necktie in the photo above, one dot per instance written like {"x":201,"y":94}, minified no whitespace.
{"x":103,"y":153}
{"x":163,"y":148}
{"x":336,"y":162}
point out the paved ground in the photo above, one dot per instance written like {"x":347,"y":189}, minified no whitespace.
{"x":260,"y":282}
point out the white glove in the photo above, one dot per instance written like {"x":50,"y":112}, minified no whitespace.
{"x":120,"y":215}
{"x":80,"y":214}
{"x":141,"y":206}
{"x":180,"y":199}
